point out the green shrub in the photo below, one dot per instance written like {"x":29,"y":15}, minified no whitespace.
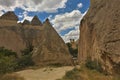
{"x":72,"y":75}
{"x":11,"y":77}
{"x":6,"y":52}
{"x":7,"y":61}
{"x":25,"y":61}
{"x":73,"y":52}
{"x":55,"y":65}
{"x":94,"y":65}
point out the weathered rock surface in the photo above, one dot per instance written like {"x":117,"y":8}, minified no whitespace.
{"x":52,"y":48}
{"x":26,"y":22}
{"x":100,"y":34}
{"x":35,"y":21}
{"x":49,"y":48}
{"x":9,"y":16}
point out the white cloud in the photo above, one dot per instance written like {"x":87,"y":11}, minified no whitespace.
{"x":1,"y":13}
{"x":33,"y":5}
{"x":80,"y":5}
{"x":73,"y":34}
{"x":67,"y":20}
{"x":25,"y":16}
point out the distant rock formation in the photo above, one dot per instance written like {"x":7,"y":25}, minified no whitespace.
{"x":35,"y":21}
{"x":9,"y":16}
{"x":100,"y":34}
{"x":52,"y":48}
{"x":49,"y":48}
{"x":26,"y":22}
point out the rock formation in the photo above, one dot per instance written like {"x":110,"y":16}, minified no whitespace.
{"x":100,"y":34}
{"x":9,"y":16}
{"x":26,"y":22}
{"x":35,"y":21}
{"x":49,"y":48}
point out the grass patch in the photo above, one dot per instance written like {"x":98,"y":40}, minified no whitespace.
{"x":55,"y":65}
{"x":94,"y":65}
{"x":72,"y":75}
{"x":10,"y":77}
{"x":87,"y":74}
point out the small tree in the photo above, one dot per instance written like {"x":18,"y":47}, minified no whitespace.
{"x":73,"y":52}
{"x":8,"y":61}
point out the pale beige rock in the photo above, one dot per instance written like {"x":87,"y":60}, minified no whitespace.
{"x":9,"y":16}
{"x":100,"y":34}
{"x":35,"y":21}
{"x":49,"y":48}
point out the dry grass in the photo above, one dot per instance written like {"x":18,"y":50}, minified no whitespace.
{"x":10,"y":77}
{"x":87,"y":74}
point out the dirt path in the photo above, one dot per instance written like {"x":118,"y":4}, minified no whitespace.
{"x":48,"y":73}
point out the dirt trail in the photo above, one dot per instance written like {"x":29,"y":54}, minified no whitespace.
{"x":48,"y":73}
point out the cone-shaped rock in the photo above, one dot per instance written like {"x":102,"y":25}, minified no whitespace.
{"x":35,"y":21}
{"x":48,"y":46}
{"x":9,"y":16}
{"x":52,"y":49}
{"x":26,"y":22}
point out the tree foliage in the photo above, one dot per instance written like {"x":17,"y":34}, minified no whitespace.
{"x":73,"y":52}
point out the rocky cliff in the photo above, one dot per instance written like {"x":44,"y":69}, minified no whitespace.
{"x":100,"y":34}
{"x":49,"y":48}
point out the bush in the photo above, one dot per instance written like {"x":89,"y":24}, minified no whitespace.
{"x":25,"y":61}
{"x":72,"y":75}
{"x":6,"y":52}
{"x":11,"y":77}
{"x":73,"y":52}
{"x":94,"y":65}
{"x":55,"y":65}
{"x":26,"y":58}
{"x":7,"y":61}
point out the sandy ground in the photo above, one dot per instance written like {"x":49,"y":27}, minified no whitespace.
{"x":48,"y":73}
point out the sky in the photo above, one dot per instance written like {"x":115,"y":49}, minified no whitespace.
{"x":64,"y":15}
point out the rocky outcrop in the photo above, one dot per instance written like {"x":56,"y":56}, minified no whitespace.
{"x":100,"y":34}
{"x":9,"y":16}
{"x":51,"y":44}
{"x":48,"y":46}
{"x":26,"y":22}
{"x":35,"y":21}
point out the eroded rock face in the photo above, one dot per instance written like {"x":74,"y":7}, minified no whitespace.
{"x":52,"y":48}
{"x":49,"y":48}
{"x":35,"y":21}
{"x":100,"y":34}
{"x":9,"y":16}
{"x":26,"y":22}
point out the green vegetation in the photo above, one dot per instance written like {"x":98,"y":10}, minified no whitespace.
{"x":117,"y":68}
{"x":25,"y":60}
{"x":9,"y":61}
{"x":55,"y":65}
{"x":72,"y":75}
{"x":87,"y":74}
{"x":10,"y":77}
{"x":73,"y":52}
{"x":93,"y":65}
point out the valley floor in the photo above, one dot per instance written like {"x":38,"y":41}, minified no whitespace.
{"x":48,"y":73}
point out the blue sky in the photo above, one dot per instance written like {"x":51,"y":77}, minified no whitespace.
{"x":64,"y":15}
